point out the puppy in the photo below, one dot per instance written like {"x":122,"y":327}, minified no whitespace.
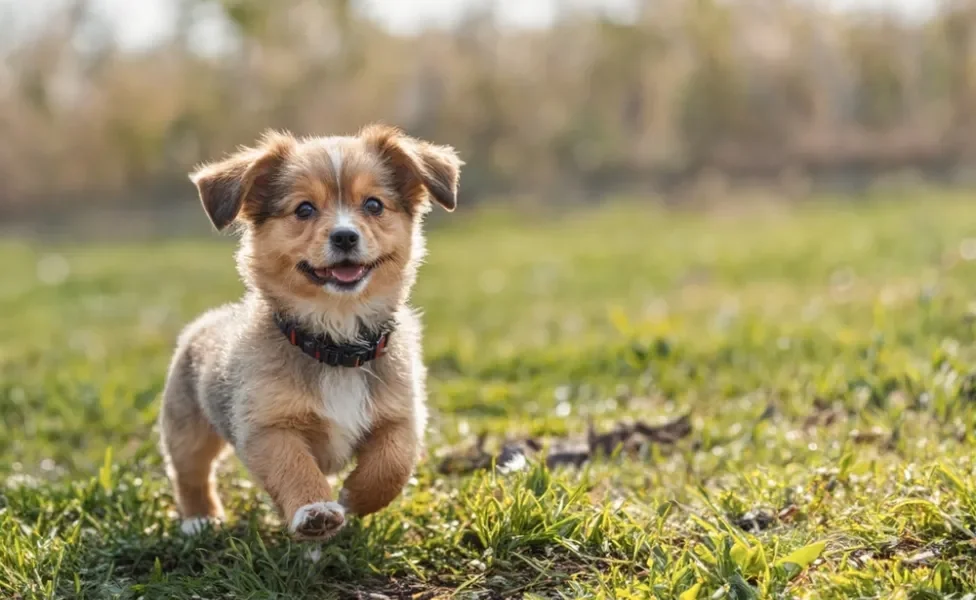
{"x":321,"y":359}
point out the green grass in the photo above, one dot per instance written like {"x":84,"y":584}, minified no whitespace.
{"x":824,"y":353}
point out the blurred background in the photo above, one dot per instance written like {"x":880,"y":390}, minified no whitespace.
{"x":106,"y":104}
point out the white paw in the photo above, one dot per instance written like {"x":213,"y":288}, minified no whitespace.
{"x":320,"y":520}
{"x":314,"y":554}
{"x":196,"y":525}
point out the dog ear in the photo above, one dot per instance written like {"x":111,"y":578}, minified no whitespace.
{"x":417,"y":164}
{"x":225,"y":186}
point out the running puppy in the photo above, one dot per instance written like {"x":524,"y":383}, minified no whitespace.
{"x":321,"y":358}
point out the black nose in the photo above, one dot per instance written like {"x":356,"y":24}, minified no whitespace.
{"x":344,"y":239}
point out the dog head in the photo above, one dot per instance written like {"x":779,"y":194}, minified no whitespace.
{"x":331,"y":224}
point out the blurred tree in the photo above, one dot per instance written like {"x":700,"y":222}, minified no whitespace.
{"x":959,"y":27}
{"x":713,"y":94}
{"x":880,"y":81}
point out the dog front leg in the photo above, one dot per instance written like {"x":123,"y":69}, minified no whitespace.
{"x":384,"y":465}
{"x":281,"y":461}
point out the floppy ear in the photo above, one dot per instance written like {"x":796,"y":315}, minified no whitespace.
{"x":225,"y":186}
{"x":417,"y":165}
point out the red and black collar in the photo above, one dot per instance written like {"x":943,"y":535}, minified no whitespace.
{"x":327,"y":351}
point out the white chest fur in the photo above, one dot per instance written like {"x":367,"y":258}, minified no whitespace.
{"x":346,"y":404}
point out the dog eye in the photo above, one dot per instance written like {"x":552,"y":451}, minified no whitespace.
{"x":305,"y":210}
{"x":373,"y":206}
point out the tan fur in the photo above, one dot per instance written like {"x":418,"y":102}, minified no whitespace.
{"x":235,"y":380}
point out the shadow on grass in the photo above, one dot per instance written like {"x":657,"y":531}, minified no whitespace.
{"x":246,"y":560}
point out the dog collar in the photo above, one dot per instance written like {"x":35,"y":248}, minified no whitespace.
{"x":325,"y":350}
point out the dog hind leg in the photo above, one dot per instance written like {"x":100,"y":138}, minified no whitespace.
{"x":191,"y":448}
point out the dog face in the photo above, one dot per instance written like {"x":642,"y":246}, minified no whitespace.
{"x":332,"y":220}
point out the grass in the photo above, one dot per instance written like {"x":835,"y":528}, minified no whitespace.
{"x":825,"y":354}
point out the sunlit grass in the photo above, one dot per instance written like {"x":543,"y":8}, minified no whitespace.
{"x":824,"y":353}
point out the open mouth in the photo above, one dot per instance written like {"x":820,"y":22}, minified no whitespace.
{"x":343,"y":275}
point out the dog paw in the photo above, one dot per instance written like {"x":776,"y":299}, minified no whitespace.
{"x":196,"y":525}
{"x":313,"y":555}
{"x":318,"y":521}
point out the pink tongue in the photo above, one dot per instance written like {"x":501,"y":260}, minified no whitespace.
{"x":348,"y":274}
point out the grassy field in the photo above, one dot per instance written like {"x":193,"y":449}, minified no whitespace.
{"x":824,"y":355}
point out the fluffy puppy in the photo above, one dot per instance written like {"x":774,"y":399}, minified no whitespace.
{"x":321,"y":359}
